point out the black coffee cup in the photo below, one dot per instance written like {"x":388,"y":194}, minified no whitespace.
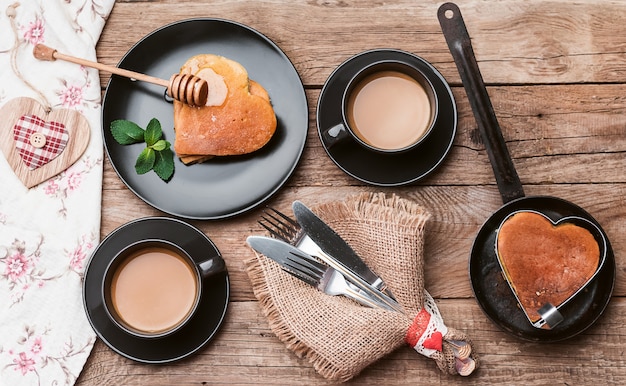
{"x":152,"y":288}
{"x":388,"y":106}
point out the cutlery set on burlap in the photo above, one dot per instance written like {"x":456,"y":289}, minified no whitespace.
{"x":313,"y":252}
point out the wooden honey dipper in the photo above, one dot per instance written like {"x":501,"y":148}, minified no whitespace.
{"x":186,"y":88}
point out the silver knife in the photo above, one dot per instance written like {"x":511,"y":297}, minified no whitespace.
{"x":301,"y":265}
{"x":338,"y":250}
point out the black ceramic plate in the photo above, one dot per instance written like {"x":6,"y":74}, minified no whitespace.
{"x":191,"y":337}
{"x":495,"y":297}
{"x":386,"y":169}
{"x":225,"y":186}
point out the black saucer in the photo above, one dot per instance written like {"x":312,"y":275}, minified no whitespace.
{"x":387,"y":169}
{"x":191,"y":337}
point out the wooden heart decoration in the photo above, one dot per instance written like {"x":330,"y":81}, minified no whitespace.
{"x":545,"y":261}
{"x":39,"y":144}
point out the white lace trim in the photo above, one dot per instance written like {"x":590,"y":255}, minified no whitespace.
{"x":435,"y":324}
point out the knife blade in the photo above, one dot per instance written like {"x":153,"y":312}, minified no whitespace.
{"x":277,"y":250}
{"x":337,"y":248}
{"x":294,"y":261}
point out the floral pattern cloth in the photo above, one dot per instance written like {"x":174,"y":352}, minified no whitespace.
{"x":47,"y":232}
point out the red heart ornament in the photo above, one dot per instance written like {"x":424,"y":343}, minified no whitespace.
{"x":40,"y":144}
{"x":434,"y":342}
{"x":37,"y":141}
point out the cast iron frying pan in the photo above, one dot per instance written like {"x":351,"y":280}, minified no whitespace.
{"x":490,"y":288}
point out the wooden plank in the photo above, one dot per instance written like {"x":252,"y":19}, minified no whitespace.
{"x":247,"y":352}
{"x":515,"y":42}
{"x":555,"y":134}
{"x":458,"y":212}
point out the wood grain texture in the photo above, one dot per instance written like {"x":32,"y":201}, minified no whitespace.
{"x":515,"y":42}
{"x":555,"y":72}
{"x":246,"y":352}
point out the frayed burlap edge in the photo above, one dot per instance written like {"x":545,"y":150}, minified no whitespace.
{"x":281,"y":329}
{"x":381,"y":207}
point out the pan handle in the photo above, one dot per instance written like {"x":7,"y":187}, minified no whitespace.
{"x":457,"y":37}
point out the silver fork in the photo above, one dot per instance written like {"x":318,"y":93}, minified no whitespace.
{"x":323,"y":277}
{"x":285,"y":228}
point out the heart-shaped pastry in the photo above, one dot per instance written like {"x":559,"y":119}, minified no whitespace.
{"x":39,"y":144}
{"x":546,"y":262}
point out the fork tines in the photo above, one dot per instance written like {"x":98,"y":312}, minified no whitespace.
{"x":305,"y":268}
{"x":305,"y":263}
{"x":300,"y":275}
{"x":279,"y":225}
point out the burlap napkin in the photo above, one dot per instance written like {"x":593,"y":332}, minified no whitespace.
{"x":337,"y":335}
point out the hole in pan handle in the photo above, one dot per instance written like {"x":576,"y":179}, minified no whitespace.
{"x":457,"y":37}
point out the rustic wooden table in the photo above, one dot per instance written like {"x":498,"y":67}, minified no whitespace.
{"x":556,"y":74}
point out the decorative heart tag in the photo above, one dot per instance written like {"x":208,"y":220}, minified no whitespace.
{"x":38,"y":141}
{"x":547,"y":263}
{"x":38,"y":144}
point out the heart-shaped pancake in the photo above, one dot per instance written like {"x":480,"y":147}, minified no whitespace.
{"x":39,"y":144}
{"x":238,"y":118}
{"x":545,"y":262}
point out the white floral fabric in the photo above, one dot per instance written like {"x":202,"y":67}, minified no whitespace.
{"x":47,"y":232}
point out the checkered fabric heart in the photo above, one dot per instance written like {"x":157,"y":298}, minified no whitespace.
{"x":56,"y":138}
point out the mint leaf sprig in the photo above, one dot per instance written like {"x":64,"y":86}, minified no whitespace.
{"x":157,"y":155}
